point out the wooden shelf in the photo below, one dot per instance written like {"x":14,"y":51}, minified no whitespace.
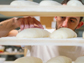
{"x":12,"y":62}
{"x":8,"y":10}
{"x":42,"y":41}
{"x":8,"y":62}
{"x":12,"y":53}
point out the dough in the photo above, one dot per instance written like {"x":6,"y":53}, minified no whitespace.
{"x":80,"y":59}
{"x":12,"y":33}
{"x":60,"y":59}
{"x":33,"y":33}
{"x":63,"y":33}
{"x":74,"y":3}
{"x":49,"y":3}
{"x":28,"y":60}
{"x":23,"y":3}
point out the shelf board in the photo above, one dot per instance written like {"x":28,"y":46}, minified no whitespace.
{"x":12,"y":62}
{"x":9,"y":62}
{"x":62,"y":10}
{"x":79,"y":41}
{"x":12,"y":53}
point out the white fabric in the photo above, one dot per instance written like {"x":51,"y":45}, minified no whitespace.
{"x":48,"y":52}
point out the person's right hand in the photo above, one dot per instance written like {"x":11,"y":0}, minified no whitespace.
{"x":28,"y":22}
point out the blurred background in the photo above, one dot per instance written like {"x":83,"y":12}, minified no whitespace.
{"x":10,"y":56}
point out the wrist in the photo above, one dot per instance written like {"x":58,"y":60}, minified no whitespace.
{"x":15,"y":23}
{"x":6,"y":26}
{"x":12,"y":24}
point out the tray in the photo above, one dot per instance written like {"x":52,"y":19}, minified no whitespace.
{"x":79,"y":41}
{"x":8,"y":10}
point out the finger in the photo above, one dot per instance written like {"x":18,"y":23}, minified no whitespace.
{"x":11,"y":21}
{"x":15,"y":21}
{"x":22,"y":23}
{"x":38,"y":23}
{"x":31,"y":22}
{"x":36,"y":27}
{"x":26,"y":21}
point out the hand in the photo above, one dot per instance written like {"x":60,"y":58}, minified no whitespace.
{"x":29,"y":22}
{"x":7,"y":25}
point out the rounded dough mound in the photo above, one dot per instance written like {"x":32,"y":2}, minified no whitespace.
{"x":80,"y":59}
{"x":33,"y":33}
{"x":60,"y":59}
{"x":28,"y":60}
{"x":23,"y":3}
{"x":74,"y":3}
{"x":63,"y":33}
{"x":49,"y":3}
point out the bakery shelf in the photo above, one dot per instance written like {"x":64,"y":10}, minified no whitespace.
{"x":62,"y":10}
{"x":12,"y":62}
{"x":12,"y":53}
{"x":79,"y":41}
{"x":8,"y":10}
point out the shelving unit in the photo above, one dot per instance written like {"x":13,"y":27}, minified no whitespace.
{"x":8,"y":10}
{"x":79,"y":41}
{"x":43,"y":11}
{"x":12,"y":53}
{"x":8,"y":62}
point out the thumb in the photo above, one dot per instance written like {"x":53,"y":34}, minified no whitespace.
{"x":16,"y":22}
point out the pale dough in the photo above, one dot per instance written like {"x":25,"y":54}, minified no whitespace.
{"x":74,"y":3}
{"x":63,"y":33}
{"x":60,"y":59}
{"x":33,"y":33}
{"x":80,"y":59}
{"x":23,"y":3}
{"x":28,"y":60}
{"x":49,"y":3}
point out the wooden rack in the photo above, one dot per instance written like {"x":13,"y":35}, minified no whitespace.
{"x":43,"y":11}
{"x":62,"y":10}
{"x":7,"y":53}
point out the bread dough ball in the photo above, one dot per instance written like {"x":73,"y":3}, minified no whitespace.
{"x":60,"y":59}
{"x":33,"y":33}
{"x":12,"y":33}
{"x":49,"y":3}
{"x":74,"y":3}
{"x":28,"y":60}
{"x":63,"y":33}
{"x":23,"y":3}
{"x":80,"y":59}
